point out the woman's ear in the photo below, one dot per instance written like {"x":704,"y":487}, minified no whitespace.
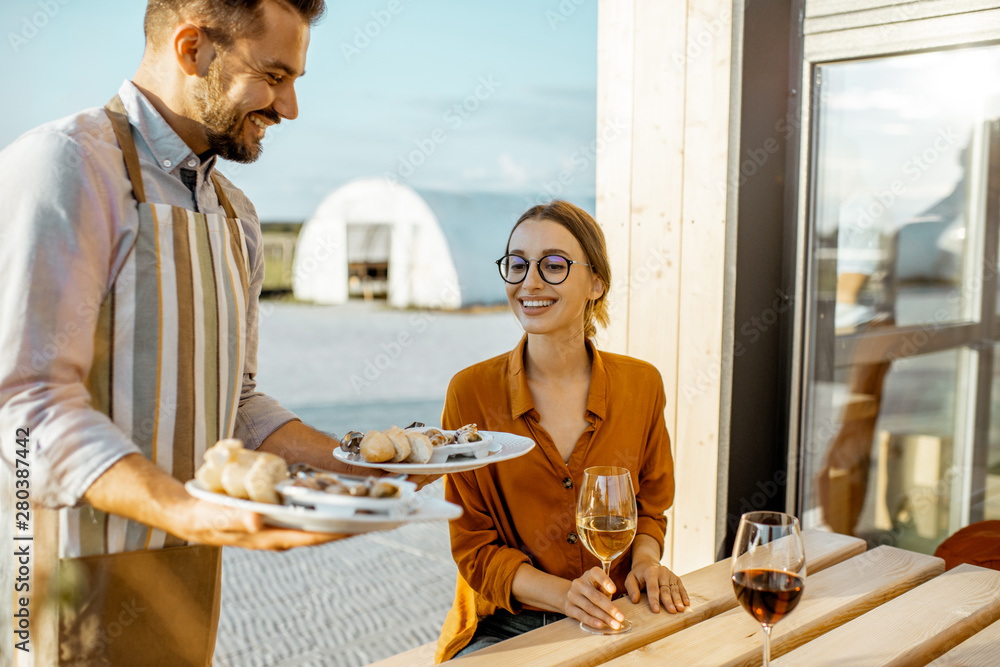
{"x":193,"y":50}
{"x":596,"y":289}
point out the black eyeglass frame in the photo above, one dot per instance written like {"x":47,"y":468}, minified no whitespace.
{"x":529,"y":260}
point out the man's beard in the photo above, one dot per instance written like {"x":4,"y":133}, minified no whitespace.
{"x":223,"y":123}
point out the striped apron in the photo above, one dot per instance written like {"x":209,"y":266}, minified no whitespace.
{"x":168,"y":369}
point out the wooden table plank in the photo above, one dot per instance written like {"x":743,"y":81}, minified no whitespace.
{"x":982,"y":648}
{"x":831,"y":598}
{"x":913,"y":629}
{"x":711,"y":593}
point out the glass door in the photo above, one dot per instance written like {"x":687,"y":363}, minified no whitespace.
{"x":898,"y":438}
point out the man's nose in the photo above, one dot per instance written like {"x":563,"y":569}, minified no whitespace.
{"x":286,"y":103}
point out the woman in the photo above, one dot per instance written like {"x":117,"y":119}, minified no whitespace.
{"x":520,"y":562}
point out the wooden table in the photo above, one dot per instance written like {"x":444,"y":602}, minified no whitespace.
{"x":886,"y":606}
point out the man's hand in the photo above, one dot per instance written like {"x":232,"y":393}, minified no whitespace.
{"x":136,"y":489}
{"x":297,"y":443}
{"x":207,"y":523}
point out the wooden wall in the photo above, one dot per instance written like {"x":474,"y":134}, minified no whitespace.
{"x":664,"y":72}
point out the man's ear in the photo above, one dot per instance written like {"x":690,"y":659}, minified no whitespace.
{"x":193,"y":49}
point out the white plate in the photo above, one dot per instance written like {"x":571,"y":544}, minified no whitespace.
{"x":300,"y":495}
{"x":505,"y":446}
{"x":322,"y":521}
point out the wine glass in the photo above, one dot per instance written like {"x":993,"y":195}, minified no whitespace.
{"x":769,"y":568}
{"x":605,"y":518}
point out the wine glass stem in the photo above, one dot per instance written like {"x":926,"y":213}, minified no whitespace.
{"x":607,"y":567}
{"x":767,"y":645}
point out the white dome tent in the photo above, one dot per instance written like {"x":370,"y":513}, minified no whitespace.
{"x":375,"y":235}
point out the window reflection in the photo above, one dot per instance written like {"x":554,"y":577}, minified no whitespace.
{"x":897,"y":227}
{"x":897,"y":140}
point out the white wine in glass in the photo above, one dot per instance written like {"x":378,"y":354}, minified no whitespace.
{"x":606,"y":518}
{"x":769,"y":568}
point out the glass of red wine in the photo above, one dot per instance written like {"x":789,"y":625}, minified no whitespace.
{"x":769,"y":568}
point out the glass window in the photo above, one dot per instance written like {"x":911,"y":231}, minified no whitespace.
{"x":897,"y":265}
{"x":992,"y":505}
{"x":897,"y":141}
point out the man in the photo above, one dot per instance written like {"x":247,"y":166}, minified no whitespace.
{"x":128,"y":330}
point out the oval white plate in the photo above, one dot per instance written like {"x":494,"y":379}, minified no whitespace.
{"x":323,"y":521}
{"x":300,"y":495}
{"x":505,"y":446}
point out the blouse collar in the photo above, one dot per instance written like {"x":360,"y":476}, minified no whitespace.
{"x":520,"y":395}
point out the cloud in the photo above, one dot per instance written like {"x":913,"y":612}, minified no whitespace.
{"x":512,"y":173}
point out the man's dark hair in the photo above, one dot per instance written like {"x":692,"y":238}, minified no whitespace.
{"x":222,"y":20}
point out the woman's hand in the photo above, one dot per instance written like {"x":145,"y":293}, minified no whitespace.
{"x":661,"y":585}
{"x":589,"y":600}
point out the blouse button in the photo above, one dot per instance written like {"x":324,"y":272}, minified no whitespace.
{"x":568,"y":483}
{"x":192,"y":163}
{"x":572,"y":538}
{"x":168,"y":164}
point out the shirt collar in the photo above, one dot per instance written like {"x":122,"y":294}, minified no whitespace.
{"x":163,"y":145}
{"x":520,"y":395}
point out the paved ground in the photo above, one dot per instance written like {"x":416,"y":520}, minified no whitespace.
{"x":359,"y":600}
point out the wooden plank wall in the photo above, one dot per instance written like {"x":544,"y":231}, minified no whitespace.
{"x":664,"y":74}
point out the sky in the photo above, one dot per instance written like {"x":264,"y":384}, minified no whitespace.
{"x":511,"y":87}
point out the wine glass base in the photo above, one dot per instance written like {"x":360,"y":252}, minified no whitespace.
{"x":625,"y":627}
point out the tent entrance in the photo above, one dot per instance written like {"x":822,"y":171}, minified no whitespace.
{"x":368,"y":260}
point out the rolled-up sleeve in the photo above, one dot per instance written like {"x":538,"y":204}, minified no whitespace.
{"x":483,"y":560}
{"x":259,"y":415}
{"x":56,"y":250}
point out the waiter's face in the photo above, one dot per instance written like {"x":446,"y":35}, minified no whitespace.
{"x":250,"y":86}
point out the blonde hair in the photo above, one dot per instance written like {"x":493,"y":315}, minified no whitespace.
{"x":590,"y":237}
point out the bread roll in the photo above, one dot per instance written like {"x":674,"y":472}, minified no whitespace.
{"x":266,"y":471}
{"x":376,"y":447}
{"x":420,"y":447}
{"x":210,"y":477}
{"x":234,"y":475}
{"x":216,"y":458}
{"x":400,"y":442}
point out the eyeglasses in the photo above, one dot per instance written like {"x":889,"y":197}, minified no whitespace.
{"x":553,"y":269}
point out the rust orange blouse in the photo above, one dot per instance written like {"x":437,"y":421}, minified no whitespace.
{"x":524,"y":510}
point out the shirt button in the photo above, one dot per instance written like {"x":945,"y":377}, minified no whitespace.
{"x":192,"y":162}
{"x":572,"y":538}
{"x":168,"y":164}
{"x":568,"y":483}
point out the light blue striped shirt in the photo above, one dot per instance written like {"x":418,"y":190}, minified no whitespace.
{"x":68,"y":221}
